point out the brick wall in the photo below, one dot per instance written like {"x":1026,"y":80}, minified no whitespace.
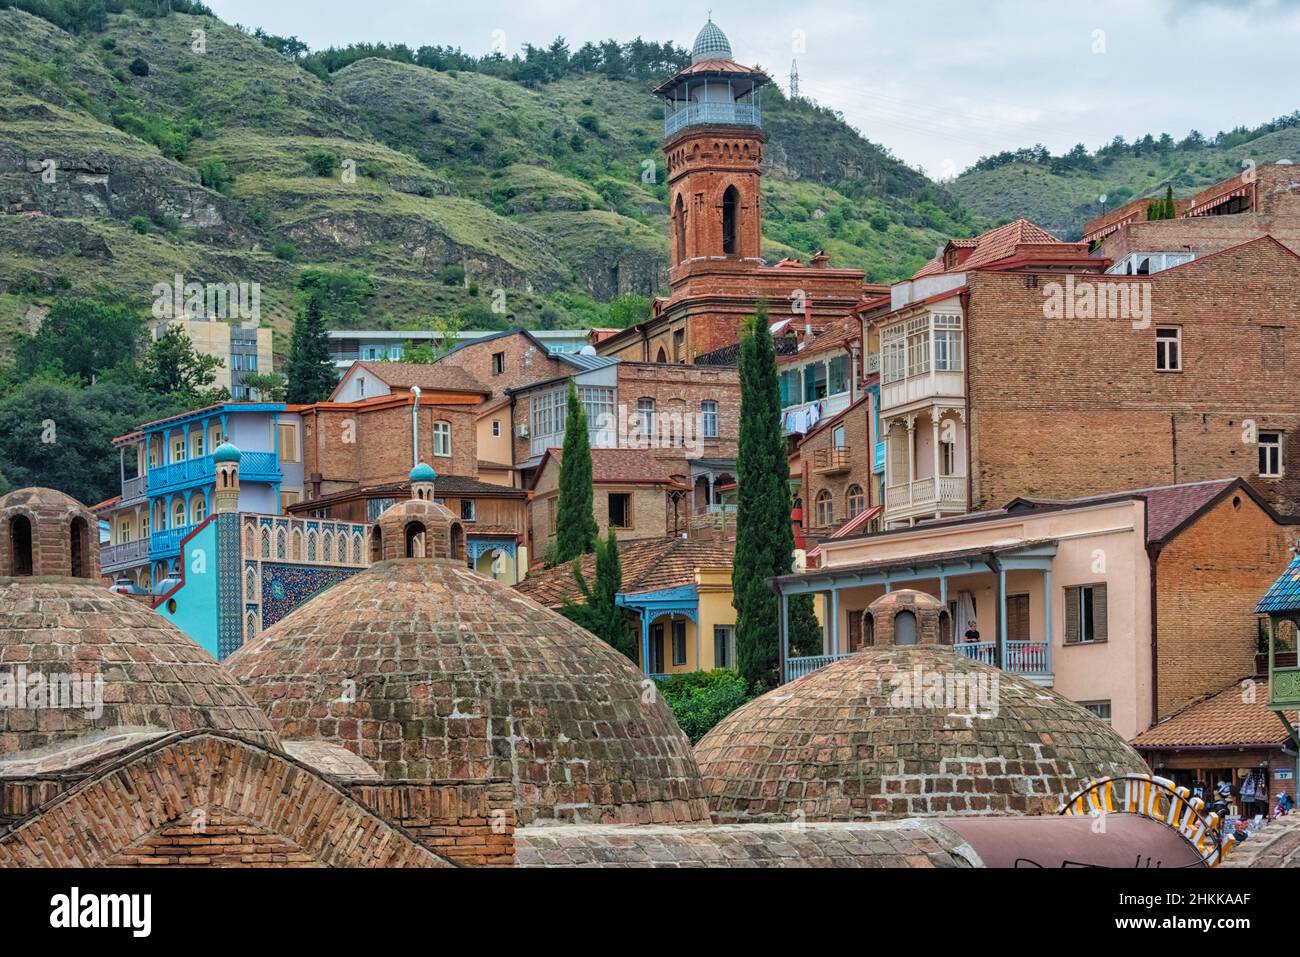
{"x":350,"y":446}
{"x":860,"y":451}
{"x":679,"y":390}
{"x":525,"y":362}
{"x":469,"y":824}
{"x":1066,"y":407}
{"x":1208,"y":580}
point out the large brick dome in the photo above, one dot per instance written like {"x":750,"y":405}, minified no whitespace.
{"x":429,"y":671}
{"x":884,"y":734}
{"x":65,"y":638}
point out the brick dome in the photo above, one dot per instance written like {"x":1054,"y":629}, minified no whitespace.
{"x":430,"y":671}
{"x":66,"y":638}
{"x":890,"y":732}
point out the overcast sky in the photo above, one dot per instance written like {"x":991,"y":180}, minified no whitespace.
{"x":939,"y":83}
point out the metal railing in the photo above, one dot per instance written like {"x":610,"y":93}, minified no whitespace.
{"x":713,"y":114}
{"x":798,"y":667}
{"x":112,"y":557}
{"x":837,"y":459}
{"x":1027,"y":658}
{"x":253,"y":466}
{"x":949,"y":490}
{"x":985,"y":652}
{"x":168,"y":540}
{"x":134,"y":488}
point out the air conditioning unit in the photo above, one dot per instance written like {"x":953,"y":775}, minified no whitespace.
{"x":523,"y":431}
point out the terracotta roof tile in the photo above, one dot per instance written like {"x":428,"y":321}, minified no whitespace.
{"x":990,"y":247}
{"x":648,"y":565}
{"x":624,"y":466}
{"x":437,"y":376}
{"x":1231,"y":717}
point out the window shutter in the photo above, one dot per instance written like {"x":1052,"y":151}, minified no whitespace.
{"x":1071,"y":616}
{"x":1099,"y":612}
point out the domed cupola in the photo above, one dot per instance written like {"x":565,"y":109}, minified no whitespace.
{"x":710,"y":44}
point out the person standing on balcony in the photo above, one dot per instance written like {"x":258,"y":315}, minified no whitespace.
{"x":972,"y":633}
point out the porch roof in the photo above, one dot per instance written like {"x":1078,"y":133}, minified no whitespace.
{"x":1034,"y":555}
{"x":1283,"y":594}
{"x":1225,"y":718}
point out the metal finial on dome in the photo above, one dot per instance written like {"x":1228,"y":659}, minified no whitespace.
{"x":710,"y":44}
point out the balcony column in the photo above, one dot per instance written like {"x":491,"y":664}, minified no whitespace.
{"x":166,"y":457}
{"x":1002,"y":617}
{"x":121,"y":463}
{"x":833,"y":633}
{"x":645,"y":642}
{"x":934,"y":450}
{"x":911,"y":455}
{"x":784,"y":621}
{"x":1047,"y":616}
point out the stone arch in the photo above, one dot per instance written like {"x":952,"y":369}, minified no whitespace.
{"x":416,"y":539}
{"x":457,"y":542}
{"x":266,"y":542}
{"x":662,"y":357}
{"x":945,"y":628}
{"x":356,"y":549}
{"x":868,"y":629}
{"x":296,"y":545}
{"x":78,"y":546}
{"x":376,"y":544}
{"x":679,"y":229}
{"x":193,"y":783}
{"x":327,"y":547}
{"x":730,"y":220}
{"x":20,"y":545}
{"x":905,"y":627}
{"x":281,"y":544}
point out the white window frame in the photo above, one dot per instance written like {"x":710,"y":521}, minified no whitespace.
{"x":646,"y":416}
{"x":496,"y":428}
{"x":442,"y":439}
{"x":1271,"y":445}
{"x":709,"y":419}
{"x":919,"y":345}
{"x":893,"y":354}
{"x":1163,"y":341}
{"x":947,"y":342}
{"x":472,"y":510}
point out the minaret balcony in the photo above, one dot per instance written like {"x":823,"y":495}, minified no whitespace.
{"x":713,"y":114}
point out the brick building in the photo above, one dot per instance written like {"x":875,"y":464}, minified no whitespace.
{"x":713,"y":148}
{"x":1014,"y":365}
{"x":635,"y":492}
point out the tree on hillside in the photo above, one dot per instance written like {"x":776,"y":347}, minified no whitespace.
{"x":172,"y":368}
{"x":575,"y":522}
{"x":599,"y":613}
{"x":310,"y":371}
{"x":764,"y":539}
{"x":342,"y":295}
{"x":83,"y":338}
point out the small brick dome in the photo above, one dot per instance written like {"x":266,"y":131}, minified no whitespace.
{"x":430,"y":671}
{"x":67,"y":639}
{"x":908,"y":617}
{"x":419,"y":528}
{"x":905,"y":731}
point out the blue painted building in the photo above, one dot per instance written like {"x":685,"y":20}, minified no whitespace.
{"x":168,"y":476}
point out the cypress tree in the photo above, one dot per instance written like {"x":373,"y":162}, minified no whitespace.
{"x":600,"y":613}
{"x":575,"y":522}
{"x":764,"y":539}
{"x":309,"y":371}
{"x":1169,"y":202}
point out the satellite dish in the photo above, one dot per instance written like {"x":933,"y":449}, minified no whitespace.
{"x":587,"y":351}
{"x":1285,"y":162}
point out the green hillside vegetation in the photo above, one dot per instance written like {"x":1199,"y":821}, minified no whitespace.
{"x":180,"y":144}
{"x":1061,"y":193}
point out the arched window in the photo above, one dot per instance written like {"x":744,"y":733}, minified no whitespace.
{"x":868,"y":629}
{"x":442,"y":439}
{"x":679,"y":224}
{"x":198,"y":509}
{"x":662,"y":357}
{"x":905,"y":628}
{"x":178,"y":514}
{"x":730,"y":220}
{"x":945,"y":628}
{"x":415,"y":540}
{"x":854,"y":500}
{"x":376,"y":544}
{"x":457,"y":541}
{"x":20,"y":544}
{"x":825,"y":509}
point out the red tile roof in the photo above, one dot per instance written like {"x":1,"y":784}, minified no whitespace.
{"x":1236,"y":716}
{"x":620,"y":466}
{"x":438,"y":377}
{"x":649,"y":565}
{"x":1168,"y":506}
{"x":990,"y":247}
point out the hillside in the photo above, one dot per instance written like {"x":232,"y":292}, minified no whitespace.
{"x":236,"y":164}
{"x":1061,"y":199}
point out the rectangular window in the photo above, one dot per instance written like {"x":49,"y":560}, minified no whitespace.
{"x":550,"y":515}
{"x":1272,"y":348}
{"x":709,"y":419}
{"x":1099,"y":708}
{"x":814,"y":382}
{"x":679,"y":642}
{"x":893,"y":354}
{"x":1169,"y":349}
{"x":839,"y":375}
{"x":645,"y":417}
{"x":442,"y":439}
{"x":467,"y":510}
{"x":679,"y":344}
{"x":178,"y":450}
{"x":791,"y":388}
{"x":1270,"y":454}
{"x":918,"y":345}
{"x":838,"y":437}
{"x":1085,"y":614}
{"x":947,"y":343}
{"x":947,"y":458}
{"x":196,"y":445}
{"x":620,"y":510}
{"x":289,"y":498}
{"x":377,"y":506}
{"x":370,"y":353}
{"x":288,"y":433}
{"x":394,"y":352}
{"x":496,"y":428}
{"x":498,"y":363}
{"x":598,"y":404}
{"x":724,"y":646}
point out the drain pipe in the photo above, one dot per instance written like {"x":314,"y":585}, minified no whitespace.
{"x":415,"y":427}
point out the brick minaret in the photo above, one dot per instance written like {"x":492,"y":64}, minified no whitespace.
{"x":713,"y":147}
{"x":225,"y":498}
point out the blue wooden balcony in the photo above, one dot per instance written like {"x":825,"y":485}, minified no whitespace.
{"x":253,"y":467}
{"x":713,"y":114}
{"x":167,"y":543}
